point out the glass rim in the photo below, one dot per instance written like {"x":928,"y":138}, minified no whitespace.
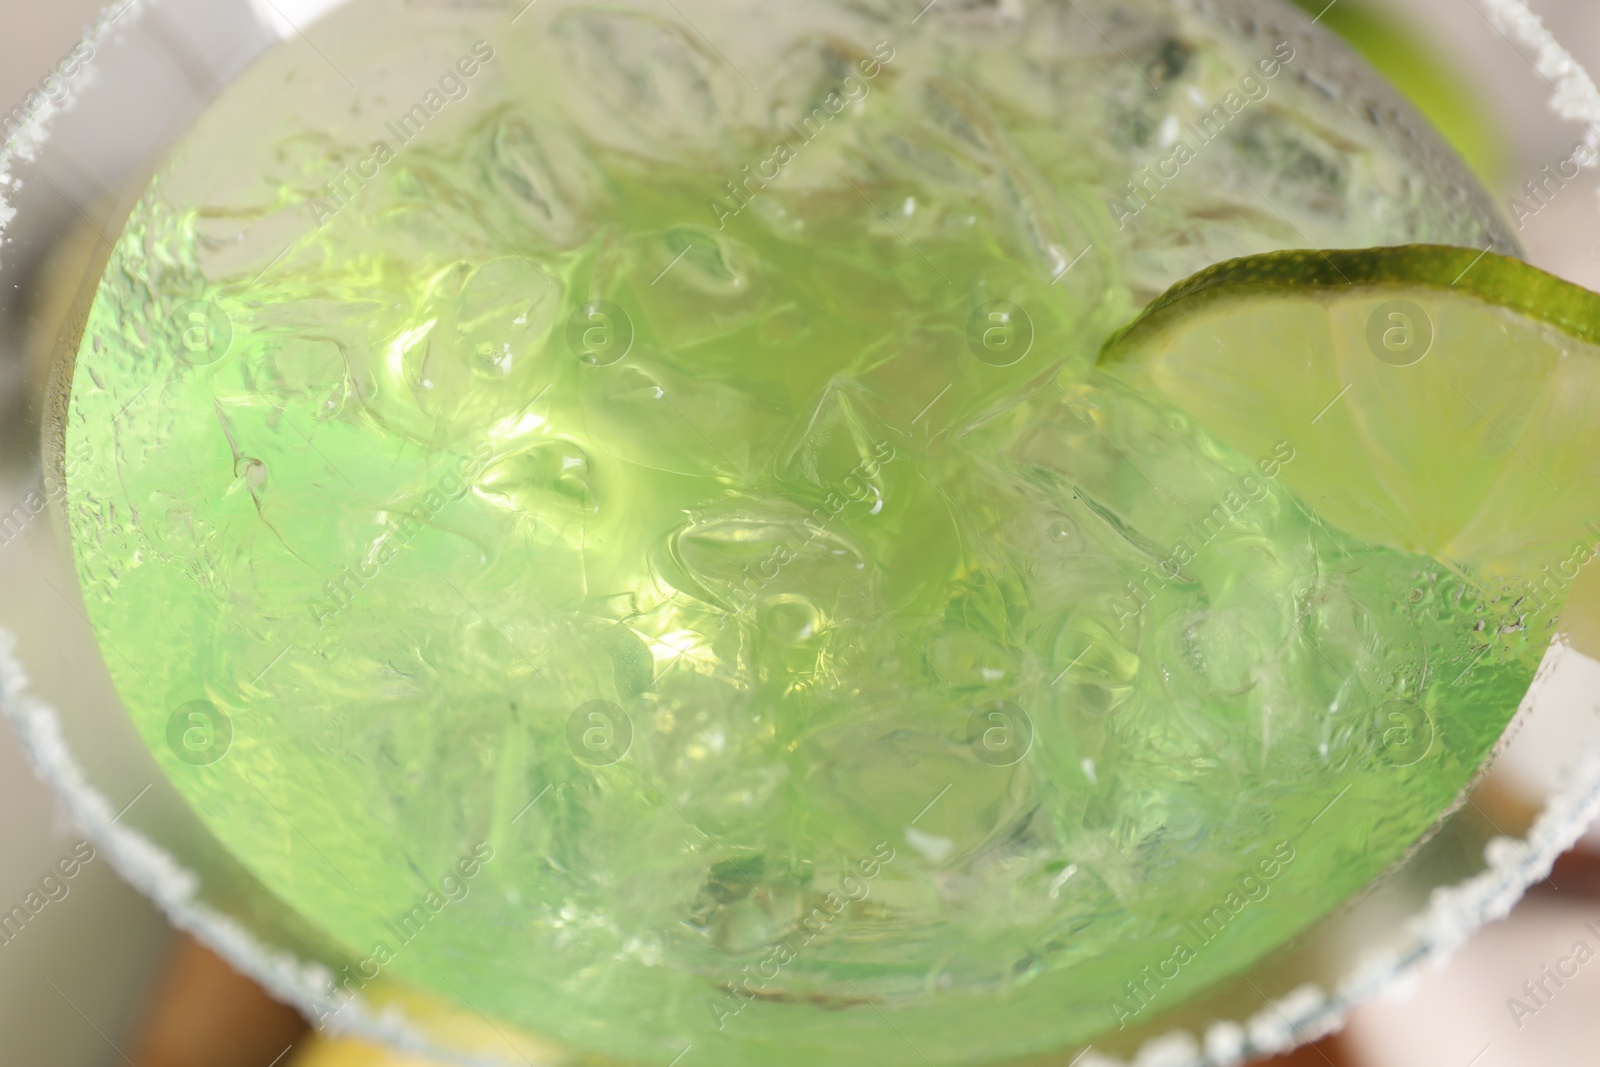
{"x":1431,"y":935}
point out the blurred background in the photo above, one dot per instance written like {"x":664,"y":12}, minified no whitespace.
{"x":101,"y":979}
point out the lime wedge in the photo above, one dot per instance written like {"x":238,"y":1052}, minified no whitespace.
{"x":1439,"y":400}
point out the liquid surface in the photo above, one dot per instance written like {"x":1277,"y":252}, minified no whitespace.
{"x":747,"y":575}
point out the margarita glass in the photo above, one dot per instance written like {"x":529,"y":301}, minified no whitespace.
{"x":629,"y":536}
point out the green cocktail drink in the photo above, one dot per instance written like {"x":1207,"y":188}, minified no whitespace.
{"x":629,"y":534}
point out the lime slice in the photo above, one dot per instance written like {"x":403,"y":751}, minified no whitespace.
{"x":1438,"y":400}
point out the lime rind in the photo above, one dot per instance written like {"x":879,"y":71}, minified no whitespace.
{"x":1504,"y":281}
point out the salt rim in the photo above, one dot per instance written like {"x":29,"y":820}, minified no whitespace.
{"x":1454,"y":913}
{"x":1574,"y":97}
{"x":1304,"y":1014}
{"x":25,"y":143}
{"x":174,"y":889}
{"x":1432,"y":936}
